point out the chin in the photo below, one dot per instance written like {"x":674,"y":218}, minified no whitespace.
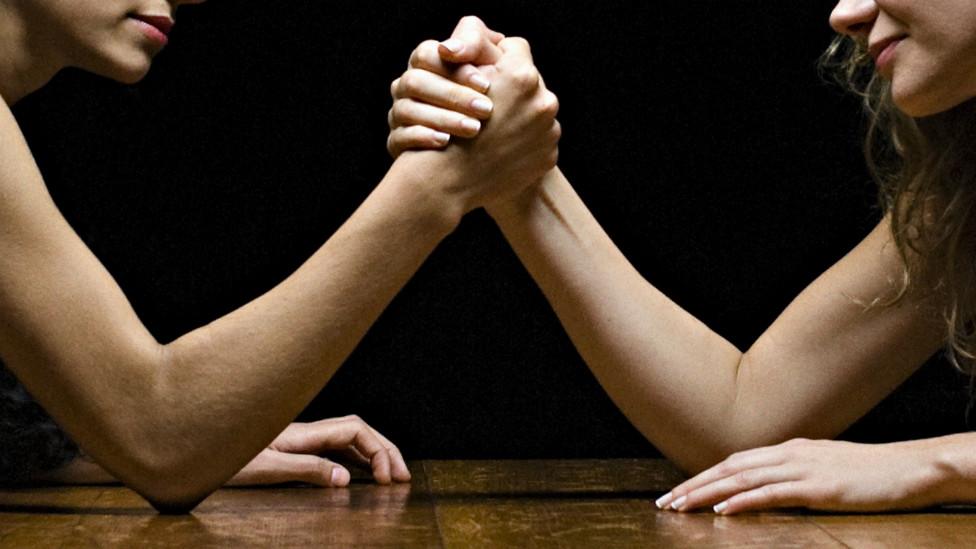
{"x":919,"y":100}
{"x":917,"y":104}
{"x":126,"y":69}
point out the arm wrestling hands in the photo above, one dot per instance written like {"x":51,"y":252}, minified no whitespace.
{"x":436,"y":96}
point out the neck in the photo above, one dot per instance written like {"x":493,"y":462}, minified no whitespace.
{"x":27,"y":60}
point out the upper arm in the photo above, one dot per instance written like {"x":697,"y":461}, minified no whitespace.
{"x":66,"y":329}
{"x":832,"y":355}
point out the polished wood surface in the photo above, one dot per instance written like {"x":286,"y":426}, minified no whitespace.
{"x":498,"y":503}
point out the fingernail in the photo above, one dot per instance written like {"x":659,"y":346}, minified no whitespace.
{"x":679,"y":502}
{"x":721,"y":507}
{"x":663,"y":501}
{"x":453,"y":45}
{"x":478,"y":80}
{"x":339,"y":476}
{"x":482,"y":105}
{"x":441,"y":137}
{"x":471,"y":124}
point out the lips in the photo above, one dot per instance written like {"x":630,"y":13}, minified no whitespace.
{"x":161,"y":22}
{"x":876,"y":49}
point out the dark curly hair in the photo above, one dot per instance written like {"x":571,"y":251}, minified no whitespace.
{"x":30,"y":441}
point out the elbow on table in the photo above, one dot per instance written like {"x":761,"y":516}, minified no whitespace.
{"x":171,"y":492}
{"x":173,"y":480}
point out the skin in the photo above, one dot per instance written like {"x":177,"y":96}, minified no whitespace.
{"x":935,"y":64}
{"x":176,"y":421}
{"x":751,"y":426}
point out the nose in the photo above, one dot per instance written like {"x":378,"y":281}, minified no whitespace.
{"x":854,"y":17}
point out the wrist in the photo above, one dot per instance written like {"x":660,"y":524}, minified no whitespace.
{"x":952,"y":462}
{"x":521,"y":204}
{"x":425,"y":180}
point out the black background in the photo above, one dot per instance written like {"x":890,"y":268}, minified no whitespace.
{"x":698,"y":132}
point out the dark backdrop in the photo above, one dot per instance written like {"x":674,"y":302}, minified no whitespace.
{"x":698,"y":131}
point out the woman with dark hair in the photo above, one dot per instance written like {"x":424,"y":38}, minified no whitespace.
{"x":735,"y":418}
{"x":175,"y":421}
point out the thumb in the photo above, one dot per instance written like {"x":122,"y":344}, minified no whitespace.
{"x":472,"y":42}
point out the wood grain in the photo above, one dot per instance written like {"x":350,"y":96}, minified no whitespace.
{"x":497,"y":503}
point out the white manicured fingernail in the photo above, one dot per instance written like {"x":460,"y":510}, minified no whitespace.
{"x":482,"y":105}
{"x":452,"y":45}
{"x":679,"y":502}
{"x":441,"y":137}
{"x":478,"y":80}
{"x":663,"y":501}
{"x":471,"y":124}
{"x":721,"y":507}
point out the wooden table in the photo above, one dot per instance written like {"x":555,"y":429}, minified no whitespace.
{"x":546,"y":503}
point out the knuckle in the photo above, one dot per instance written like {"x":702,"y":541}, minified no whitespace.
{"x":725,"y":468}
{"x":394,"y":87}
{"x":471,"y":20}
{"x":518,"y":41}
{"x":552,"y":103}
{"x":396,"y":113}
{"x":743,"y":479}
{"x":557,"y":131}
{"x":428,"y":54}
{"x":422,"y":54}
{"x":525,"y":78}
{"x":410,"y":81}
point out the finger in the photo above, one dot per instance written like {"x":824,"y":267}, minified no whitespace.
{"x":770,"y":496}
{"x":338,"y":434}
{"x":515,"y":45}
{"x":273,"y":467}
{"x":415,"y":137}
{"x":407,"y":112}
{"x":749,"y":459}
{"x":363,"y":439}
{"x":434,"y":89}
{"x":741,"y":482}
{"x":427,"y":57}
{"x":472,"y":42}
{"x":398,"y":465}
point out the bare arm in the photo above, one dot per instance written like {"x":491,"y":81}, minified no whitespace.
{"x":175,"y":421}
{"x":822,"y":364}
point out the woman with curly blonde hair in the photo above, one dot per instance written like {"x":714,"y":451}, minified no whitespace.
{"x":755,"y":426}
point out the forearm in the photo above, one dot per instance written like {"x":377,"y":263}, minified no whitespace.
{"x":174,"y":421}
{"x":823,"y":363}
{"x":670,"y":374}
{"x":273,"y":355}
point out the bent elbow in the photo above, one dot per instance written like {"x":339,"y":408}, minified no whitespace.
{"x":171,"y":486}
{"x":172,"y":496}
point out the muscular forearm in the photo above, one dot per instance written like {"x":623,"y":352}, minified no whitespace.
{"x":821,"y":365}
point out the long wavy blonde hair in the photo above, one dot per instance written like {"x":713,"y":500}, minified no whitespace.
{"x":926,"y":174}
